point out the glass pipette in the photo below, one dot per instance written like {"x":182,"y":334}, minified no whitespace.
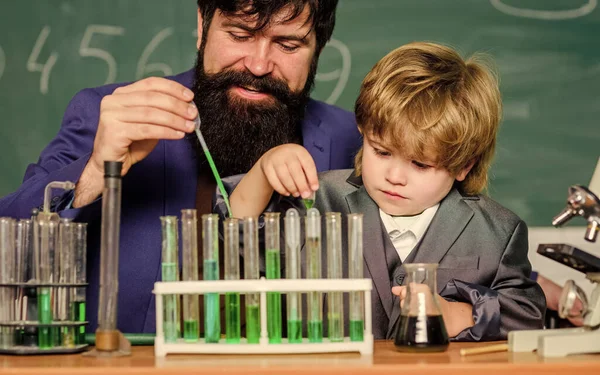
{"x":292,"y":271}
{"x":251,"y":273}
{"x":334,"y":271}
{"x":309,"y":202}
{"x":355,"y":271}
{"x":7,"y":274}
{"x":189,"y":242}
{"x":213,"y":167}
{"x":169,"y":273}
{"x":210,"y":242}
{"x":313,"y":260}
{"x":231,"y":231}
{"x":272,"y":250}
{"x":78,"y":304}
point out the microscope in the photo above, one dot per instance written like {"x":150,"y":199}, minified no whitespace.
{"x":584,"y":203}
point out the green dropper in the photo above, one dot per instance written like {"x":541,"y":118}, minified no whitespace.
{"x":212,"y":165}
{"x":309,"y":201}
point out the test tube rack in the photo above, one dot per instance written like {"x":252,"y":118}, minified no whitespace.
{"x":262,"y":286}
{"x":16,"y":331}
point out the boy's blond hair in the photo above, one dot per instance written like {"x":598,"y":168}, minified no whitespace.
{"x":425,"y":100}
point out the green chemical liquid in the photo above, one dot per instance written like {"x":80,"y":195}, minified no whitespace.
{"x":294,"y":331}
{"x":308,"y":203}
{"x":78,"y":315}
{"x":212,"y":316}
{"x":273,"y":298}
{"x":357,"y":328}
{"x":315,"y":331}
{"x":169,"y":271}
{"x":171,"y":319}
{"x":336,"y":331}
{"x":45,"y":339}
{"x":253,"y":324}
{"x":191,"y":330}
{"x":232,"y":318}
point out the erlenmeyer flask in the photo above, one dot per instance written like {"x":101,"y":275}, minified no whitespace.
{"x":421,"y":327}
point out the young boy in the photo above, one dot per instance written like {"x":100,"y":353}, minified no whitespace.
{"x":429,"y":121}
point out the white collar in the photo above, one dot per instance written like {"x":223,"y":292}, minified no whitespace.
{"x":417,"y":224}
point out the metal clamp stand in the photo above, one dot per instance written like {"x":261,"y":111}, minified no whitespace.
{"x":561,"y":342}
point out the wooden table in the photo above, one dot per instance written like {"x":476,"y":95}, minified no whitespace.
{"x":384,"y":361}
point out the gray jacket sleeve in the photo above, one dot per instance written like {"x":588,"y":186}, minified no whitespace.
{"x":512,"y":302}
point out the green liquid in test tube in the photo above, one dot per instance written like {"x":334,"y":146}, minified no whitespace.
{"x":169,"y":273}
{"x":45,"y":245}
{"x":335,"y":317}
{"x":355,"y":271}
{"x":313,"y":260}
{"x":292,"y":272}
{"x":189,"y":243}
{"x":210,"y":242}
{"x":251,"y":272}
{"x":231,"y":230}
{"x":273,"y":272}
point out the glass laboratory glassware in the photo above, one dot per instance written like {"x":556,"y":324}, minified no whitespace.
{"x":292,"y":271}
{"x":251,"y":272}
{"x":189,"y":245}
{"x":313,"y":271}
{"x":335,"y":313}
{"x":355,"y":271}
{"x":210,"y":245}
{"x":170,"y":253}
{"x":272,"y":250}
{"x":421,"y":327}
{"x":231,"y":230}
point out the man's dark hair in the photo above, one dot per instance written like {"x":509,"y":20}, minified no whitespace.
{"x":321,"y":13}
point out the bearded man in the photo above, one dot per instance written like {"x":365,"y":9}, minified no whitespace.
{"x":256,"y":64}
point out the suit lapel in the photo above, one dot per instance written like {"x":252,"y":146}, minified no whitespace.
{"x":360,"y":202}
{"x":447,"y":224}
{"x":316,"y":141}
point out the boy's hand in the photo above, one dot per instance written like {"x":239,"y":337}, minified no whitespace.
{"x":457,"y":316}
{"x":290,"y":170}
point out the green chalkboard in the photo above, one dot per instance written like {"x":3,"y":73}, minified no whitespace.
{"x":547,"y":52}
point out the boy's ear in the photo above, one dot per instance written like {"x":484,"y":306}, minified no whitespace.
{"x":465,"y":171}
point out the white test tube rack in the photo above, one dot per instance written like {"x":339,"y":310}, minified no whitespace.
{"x":262,"y":286}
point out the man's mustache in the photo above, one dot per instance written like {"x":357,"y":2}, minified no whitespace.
{"x":267,"y":84}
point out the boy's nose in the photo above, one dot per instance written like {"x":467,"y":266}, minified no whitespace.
{"x":396,"y":175}
{"x":258,"y":61}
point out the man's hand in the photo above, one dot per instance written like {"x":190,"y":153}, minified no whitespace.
{"x":290,"y":170}
{"x":458,"y":316}
{"x":132,"y":120}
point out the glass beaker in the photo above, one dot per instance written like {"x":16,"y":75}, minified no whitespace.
{"x":421,"y":327}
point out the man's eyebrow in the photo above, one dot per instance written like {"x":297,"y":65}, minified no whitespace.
{"x":239,"y":25}
{"x":293,"y":38}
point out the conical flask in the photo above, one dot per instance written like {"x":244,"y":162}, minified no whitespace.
{"x":421,"y":327}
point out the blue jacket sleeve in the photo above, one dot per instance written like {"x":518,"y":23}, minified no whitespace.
{"x":512,"y":302}
{"x":62,"y":160}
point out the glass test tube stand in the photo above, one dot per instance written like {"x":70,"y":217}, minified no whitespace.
{"x":18,"y":329}
{"x":262,"y":286}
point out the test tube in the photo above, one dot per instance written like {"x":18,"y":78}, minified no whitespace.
{"x":45,"y":245}
{"x":107,"y":333}
{"x":309,"y":201}
{"x":66,"y":261}
{"x":335,"y":318}
{"x":355,"y":271}
{"x":7,"y":275}
{"x":292,"y":271}
{"x":22,"y":264}
{"x":169,"y":273}
{"x":231,"y":229}
{"x":189,"y":242}
{"x":273,"y":272}
{"x":210,"y":245}
{"x":313,"y":265}
{"x":78,"y":300}
{"x":251,"y":272}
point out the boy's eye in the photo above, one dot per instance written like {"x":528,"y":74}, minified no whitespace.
{"x":239,"y":37}
{"x":381,"y":152}
{"x":421,"y":165}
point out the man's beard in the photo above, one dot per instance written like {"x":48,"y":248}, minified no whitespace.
{"x":239,"y":131}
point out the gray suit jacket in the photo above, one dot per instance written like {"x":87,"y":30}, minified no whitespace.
{"x":481,"y":248}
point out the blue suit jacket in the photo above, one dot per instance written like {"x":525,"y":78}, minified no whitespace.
{"x":162,"y":184}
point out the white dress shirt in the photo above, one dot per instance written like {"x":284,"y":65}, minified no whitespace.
{"x":406,"y":231}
